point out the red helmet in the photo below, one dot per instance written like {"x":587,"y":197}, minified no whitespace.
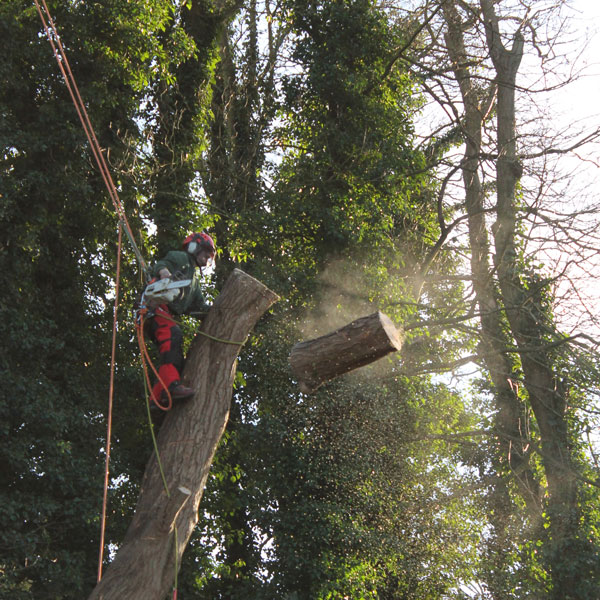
{"x":197,"y":241}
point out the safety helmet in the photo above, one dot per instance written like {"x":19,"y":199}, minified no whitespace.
{"x":198,"y":241}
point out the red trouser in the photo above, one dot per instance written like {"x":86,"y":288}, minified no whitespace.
{"x":169,"y":339}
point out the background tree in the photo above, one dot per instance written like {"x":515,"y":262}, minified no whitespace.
{"x":532,"y":364}
{"x":58,"y":260}
{"x":338,"y":204}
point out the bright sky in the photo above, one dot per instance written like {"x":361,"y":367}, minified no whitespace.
{"x":586,"y":99}
{"x":580,"y":99}
{"x":579,"y":104}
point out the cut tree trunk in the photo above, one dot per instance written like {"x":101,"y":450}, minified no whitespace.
{"x":355,"y":345}
{"x":145,"y":565}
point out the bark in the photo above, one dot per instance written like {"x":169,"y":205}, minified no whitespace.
{"x":145,"y":565}
{"x":357,"y":344}
{"x":526,"y":317}
{"x":511,"y":419}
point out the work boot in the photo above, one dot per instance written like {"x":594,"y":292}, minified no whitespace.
{"x":178,"y":393}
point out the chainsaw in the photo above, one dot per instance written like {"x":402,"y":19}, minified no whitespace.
{"x":164,"y":291}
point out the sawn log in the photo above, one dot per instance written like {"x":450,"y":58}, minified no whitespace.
{"x":355,"y":345}
{"x":145,"y":564}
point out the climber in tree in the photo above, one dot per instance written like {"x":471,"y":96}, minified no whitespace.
{"x":182,"y":296}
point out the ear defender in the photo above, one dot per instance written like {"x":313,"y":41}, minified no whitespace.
{"x":196,"y":241}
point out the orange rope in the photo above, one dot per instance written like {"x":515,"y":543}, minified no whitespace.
{"x":110,"y":405}
{"x":65,"y":69}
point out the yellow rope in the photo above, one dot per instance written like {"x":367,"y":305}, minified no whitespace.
{"x":216,"y":339}
{"x":164,"y":480}
{"x":154,"y":442}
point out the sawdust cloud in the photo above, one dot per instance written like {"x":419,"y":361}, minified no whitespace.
{"x":343,"y":297}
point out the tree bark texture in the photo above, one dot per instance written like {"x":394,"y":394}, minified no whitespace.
{"x":359,"y":343}
{"x":525,"y":314}
{"x":510,"y":420}
{"x":145,"y":565}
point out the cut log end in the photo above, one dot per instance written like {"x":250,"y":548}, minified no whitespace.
{"x":355,"y":345}
{"x":392,"y":332}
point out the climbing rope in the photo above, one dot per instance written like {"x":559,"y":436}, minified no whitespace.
{"x":222,"y":341}
{"x":154,"y":442}
{"x":210,"y":337}
{"x":110,"y":404}
{"x":147,"y":360}
{"x":65,"y":69}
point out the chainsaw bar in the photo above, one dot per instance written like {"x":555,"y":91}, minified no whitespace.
{"x":165,"y":290}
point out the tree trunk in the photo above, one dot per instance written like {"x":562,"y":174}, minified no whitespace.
{"x":145,"y":565}
{"x":529,"y":324}
{"x":357,"y":344}
{"x":510,"y":420}
{"x":511,"y":461}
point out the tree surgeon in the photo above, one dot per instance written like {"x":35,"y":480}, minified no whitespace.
{"x":175,"y":290}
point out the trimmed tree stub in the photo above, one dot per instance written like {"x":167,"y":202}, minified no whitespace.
{"x":145,"y":565}
{"x":355,"y":345}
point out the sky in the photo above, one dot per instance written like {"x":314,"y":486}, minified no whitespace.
{"x":587,"y":101}
{"x":579,"y":103}
{"x":582,"y":98}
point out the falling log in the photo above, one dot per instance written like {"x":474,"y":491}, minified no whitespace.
{"x":355,"y":345}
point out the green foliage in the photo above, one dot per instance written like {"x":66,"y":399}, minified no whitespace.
{"x":346,"y":185}
{"x":328,"y":492}
{"x":58,"y":260}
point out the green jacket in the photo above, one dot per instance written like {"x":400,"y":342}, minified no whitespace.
{"x":183,"y":266}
